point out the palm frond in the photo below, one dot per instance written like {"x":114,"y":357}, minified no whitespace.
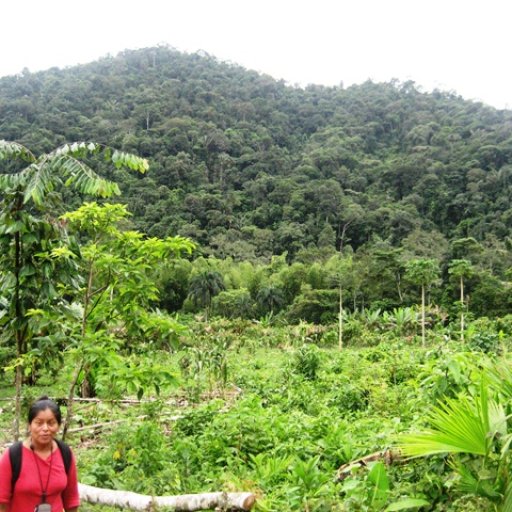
{"x":118,"y":158}
{"x":77,"y":149}
{"x":133,"y":162}
{"x":83,"y":178}
{"x":15,"y":151}
{"x":497,"y":419}
{"x":461,"y":425}
{"x":499,"y":376}
{"x":11,"y":181}
{"x":39,"y":182}
{"x":44,"y":173}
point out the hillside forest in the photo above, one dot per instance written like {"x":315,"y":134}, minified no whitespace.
{"x":251,"y":286}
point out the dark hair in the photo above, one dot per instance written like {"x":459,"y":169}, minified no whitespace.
{"x":41,"y":404}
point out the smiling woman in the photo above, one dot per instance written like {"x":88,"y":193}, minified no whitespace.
{"x":39,"y":474}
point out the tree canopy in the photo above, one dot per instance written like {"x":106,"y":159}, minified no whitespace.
{"x":248,"y":166}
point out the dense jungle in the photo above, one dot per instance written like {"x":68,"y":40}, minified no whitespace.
{"x":236,"y":284}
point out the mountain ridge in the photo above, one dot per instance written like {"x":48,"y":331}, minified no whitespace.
{"x":250,"y":167}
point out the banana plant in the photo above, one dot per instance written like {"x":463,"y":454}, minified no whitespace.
{"x":401,"y":320}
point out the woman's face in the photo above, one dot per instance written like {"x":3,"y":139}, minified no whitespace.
{"x":43,"y":428}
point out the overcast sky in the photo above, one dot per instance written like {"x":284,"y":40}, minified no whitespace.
{"x":456,"y":45}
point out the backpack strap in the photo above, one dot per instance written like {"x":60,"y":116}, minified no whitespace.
{"x":15,"y":453}
{"x":65,"y":451}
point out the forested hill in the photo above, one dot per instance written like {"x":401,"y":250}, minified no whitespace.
{"x":249,"y":167}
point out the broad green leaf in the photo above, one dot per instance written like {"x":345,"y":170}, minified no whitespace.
{"x":14,"y":227}
{"x":62,"y":252}
{"x":40,"y":183}
{"x":407,"y":504}
{"x":11,"y":181}
{"x":378,"y":476}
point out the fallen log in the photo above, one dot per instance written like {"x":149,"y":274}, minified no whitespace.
{"x":387,"y":456}
{"x":186,"y":502}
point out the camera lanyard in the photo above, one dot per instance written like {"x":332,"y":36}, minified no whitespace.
{"x":45,"y":489}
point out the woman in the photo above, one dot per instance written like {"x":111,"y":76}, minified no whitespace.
{"x":43,"y":481}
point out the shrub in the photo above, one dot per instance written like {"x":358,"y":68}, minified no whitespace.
{"x":307,"y":361}
{"x":134,"y":456}
{"x":482,"y":336}
{"x":485,"y":342}
{"x":350,"y":397}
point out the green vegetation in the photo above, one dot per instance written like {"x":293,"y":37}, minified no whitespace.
{"x":262,"y":409}
{"x":249,"y":167}
{"x":306,"y":277}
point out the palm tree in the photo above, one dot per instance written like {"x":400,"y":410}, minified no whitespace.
{"x":461,"y":269}
{"x":422,"y":272}
{"x":341,"y":276}
{"x":373,"y":319}
{"x":470,"y":425}
{"x":270,"y":298}
{"x":204,"y":286}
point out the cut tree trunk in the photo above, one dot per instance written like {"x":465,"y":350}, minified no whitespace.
{"x":186,"y":502}
{"x":387,"y":456}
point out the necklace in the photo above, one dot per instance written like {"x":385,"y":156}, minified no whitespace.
{"x":44,"y":490}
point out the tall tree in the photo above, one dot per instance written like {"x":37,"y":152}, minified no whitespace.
{"x":423,"y":273}
{"x":341,"y":267}
{"x":31,"y":237}
{"x":270,"y":298}
{"x":461,"y":269}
